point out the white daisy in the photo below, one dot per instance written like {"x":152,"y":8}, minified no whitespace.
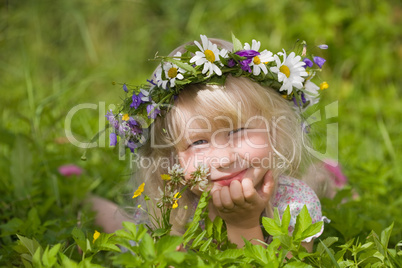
{"x":311,"y":88}
{"x":290,"y":71}
{"x":258,"y":62}
{"x":311,"y":92}
{"x":171,"y":72}
{"x":208,"y":56}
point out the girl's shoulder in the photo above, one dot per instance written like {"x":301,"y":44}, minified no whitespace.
{"x":291,"y":190}
{"x":295,"y":194}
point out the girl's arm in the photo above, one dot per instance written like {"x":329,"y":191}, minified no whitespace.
{"x":108,"y":214}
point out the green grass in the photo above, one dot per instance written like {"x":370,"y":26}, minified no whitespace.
{"x":58,"y":54}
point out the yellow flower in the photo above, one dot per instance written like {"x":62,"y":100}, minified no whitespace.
{"x":166,"y":177}
{"x":177,"y":195}
{"x":139,"y":191}
{"x":125,"y":117}
{"x":96,"y":236}
{"x":175,"y":205}
{"x":324,"y":85}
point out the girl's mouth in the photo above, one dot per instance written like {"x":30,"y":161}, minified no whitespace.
{"x":226,"y":180}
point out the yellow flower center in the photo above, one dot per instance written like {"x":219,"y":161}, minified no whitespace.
{"x":285,"y":70}
{"x":256,"y":60}
{"x":172,"y":73}
{"x":324,"y":85}
{"x":125,"y":117}
{"x":209,"y":55}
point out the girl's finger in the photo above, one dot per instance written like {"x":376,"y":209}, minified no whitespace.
{"x":216,"y":199}
{"x":226,"y":198}
{"x":236,"y":193}
{"x":267,"y":187}
{"x":249,"y":191}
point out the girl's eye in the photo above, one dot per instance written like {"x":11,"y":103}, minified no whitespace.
{"x":236,"y":130}
{"x":199,"y":142}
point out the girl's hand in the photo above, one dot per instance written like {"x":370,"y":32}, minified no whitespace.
{"x":240,"y":205}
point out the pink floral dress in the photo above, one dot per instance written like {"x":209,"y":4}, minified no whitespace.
{"x":295,"y":194}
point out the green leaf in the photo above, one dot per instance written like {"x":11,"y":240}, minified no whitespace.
{"x":286,"y":220}
{"x":297,"y":264}
{"x":198,"y":239}
{"x":192,"y":48}
{"x":271,"y":227}
{"x":105,"y":242}
{"x":184,"y":66}
{"x":277,"y":218}
{"x":286,"y":240}
{"x":66,"y":262}
{"x":30,"y":244}
{"x":127,"y":259}
{"x":79,"y":238}
{"x":335,"y":264}
{"x":303,"y":221}
{"x":175,"y":256}
{"x":230,"y":254}
{"x":206,"y":245}
{"x":147,"y":247}
{"x":257,"y":252}
{"x":237,"y":45}
{"x":218,"y":227}
{"x":167,"y":243}
{"x":385,"y":235}
{"x":209,"y":226}
{"x":312,"y":230}
{"x":49,"y":257}
{"x":327,"y":242}
{"x":36,"y":258}
{"x":159,"y":232}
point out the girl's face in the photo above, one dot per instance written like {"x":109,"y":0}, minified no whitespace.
{"x":231,"y":153}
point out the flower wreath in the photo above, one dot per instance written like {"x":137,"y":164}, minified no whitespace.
{"x":206,"y":63}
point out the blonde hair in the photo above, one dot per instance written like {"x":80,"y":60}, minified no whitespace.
{"x":238,"y":94}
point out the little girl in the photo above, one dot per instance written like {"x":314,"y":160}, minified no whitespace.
{"x":234,"y":109}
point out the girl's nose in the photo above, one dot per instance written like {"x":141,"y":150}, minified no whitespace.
{"x":223,"y":157}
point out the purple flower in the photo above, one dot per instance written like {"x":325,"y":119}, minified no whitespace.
{"x":303,"y":100}
{"x":249,"y":54}
{"x":135,"y":130}
{"x":152,"y":111}
{"x":323,"y":46}
{"x":308,"y":62}
{"x":112,"y":120}
{"x":319,"y":61}
{"x":136,"y":100}
{"x":231,"y":63}
{"x":113,"y":139}
{"x":245,"y":65}
{"x":68,"y":170}
{"x":132,"y":122}
{"x":132,"y":146}
{"x":125,"y":88}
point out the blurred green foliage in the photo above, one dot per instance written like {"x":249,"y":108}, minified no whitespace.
{"x":58,"y":54}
